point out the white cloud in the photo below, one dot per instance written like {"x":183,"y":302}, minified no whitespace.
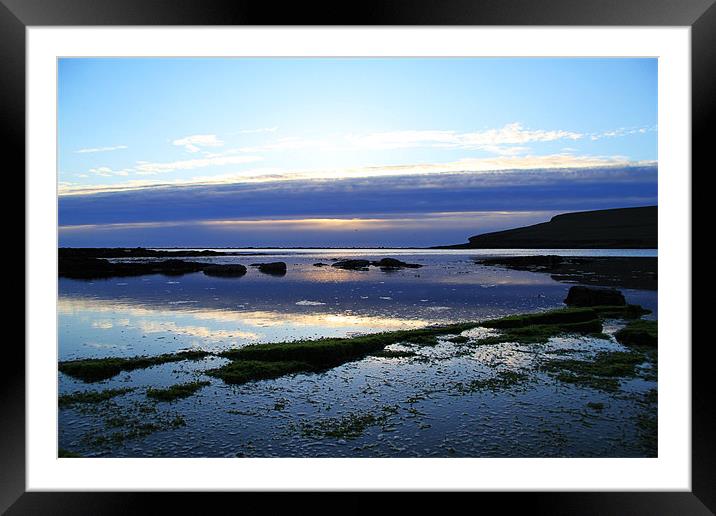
{"x":490,"y":139}
{"x":622,"y":131}
{"x":148,"y":168}
{"x":196,"y":142}
{"x":108,"y":172}
{"x":508,"y":140}
{"x":144,"y":168}
{"x":100,"y":149}
{"x":507,"y":144}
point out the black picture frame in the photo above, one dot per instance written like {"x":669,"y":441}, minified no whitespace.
{"x":17,"y":15}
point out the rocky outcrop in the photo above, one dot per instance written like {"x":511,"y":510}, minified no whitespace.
{"x":386,"y":264}
{"x":95,"y":268}
{"x":393,"y":263}
{"x":591,"y":296}
{"x":272,"y":268}
{"x":639,"y":333}
{"x":226,"y":271}
{"x":352,"y":265}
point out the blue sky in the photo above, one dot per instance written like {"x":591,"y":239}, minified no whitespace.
{"x":332,"y":152}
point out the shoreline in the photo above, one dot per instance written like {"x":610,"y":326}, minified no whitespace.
{"x":639,"y":272}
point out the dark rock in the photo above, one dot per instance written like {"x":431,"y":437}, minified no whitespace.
{"x":319,"y":264}
{"x":392,"y":263}
{"x":528,"y":262}
{"x":591,"y":296}
{"x":639,"y":333}
{"x":77,"y":267}
{"x":273,"y":268}
{"x":353,"y":265}
{"x":637,"y":272}
{"x":174,"y":267}
{"x":228,"y":271}
{"x":91,"y":268}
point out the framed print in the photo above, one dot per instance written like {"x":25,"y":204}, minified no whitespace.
{"x":418,"y":249}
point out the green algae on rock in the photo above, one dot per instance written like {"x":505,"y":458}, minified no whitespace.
{"x":242,"y":371}
{"x":603,"y":371}
{"x":97,"y":369}
{"x":639,"y":333}
{"x":175,"y":392}
{"x":79,"y":397}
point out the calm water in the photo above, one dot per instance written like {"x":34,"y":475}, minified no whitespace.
{"x":420,"y":403}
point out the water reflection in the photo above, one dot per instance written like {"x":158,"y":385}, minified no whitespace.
{"x":155,"y":313}
{"x":427,"y":398}
{"x":96,"y":327}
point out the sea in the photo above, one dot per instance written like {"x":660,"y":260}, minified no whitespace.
{"x":424,"y":405}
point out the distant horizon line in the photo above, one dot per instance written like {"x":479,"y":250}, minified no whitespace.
{"x":433,"y":248}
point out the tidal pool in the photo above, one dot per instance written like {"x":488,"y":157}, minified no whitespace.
{"x":453,"y":399}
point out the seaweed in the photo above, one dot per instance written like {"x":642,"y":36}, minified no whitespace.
{"x":392,"y":353}
{"x":424,"y":340}
{"x":280,"y":404}
{"x":67,"y":454}
{"x":133,"y":421}
{"x":552,"y":317}
{"x":175,"y":392}
{"x":329,"y":352}
{"x":563,"y":316}
{"x":349,"y":426}
{"x":242,"y":371}
{"x":602,"y":372}
{"x":503,"y":380}
{"x":621,"y":312}
{"x":540,"y":333}
{"x":540,"y":327}
{"x":647,"y":423}
{"x":97,"y":369}
{"x":80,"y":397}
{"x":639,"y":333}
{"x":266,"y":361}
